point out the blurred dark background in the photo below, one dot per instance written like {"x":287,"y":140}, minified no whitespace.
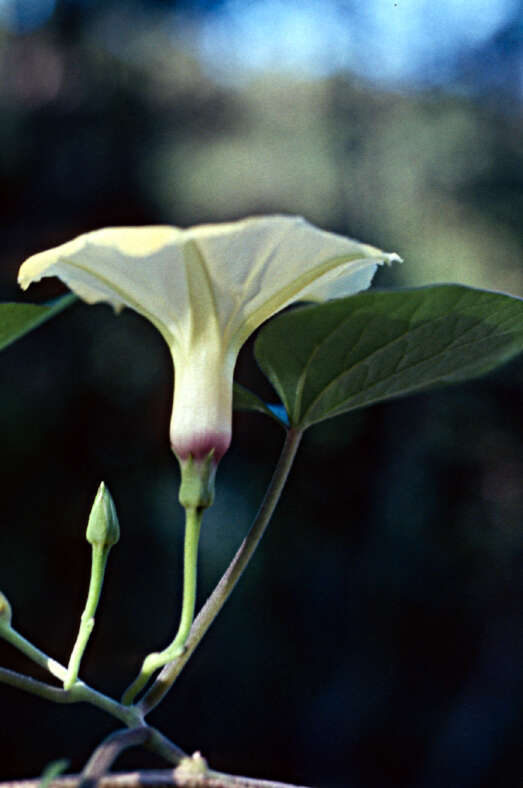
{"x":377,"y":638}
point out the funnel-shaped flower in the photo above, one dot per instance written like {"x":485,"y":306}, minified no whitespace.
{"x":206,"y":289}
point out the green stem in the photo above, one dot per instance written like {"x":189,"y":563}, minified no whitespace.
{"x":193,"y":519}
{"x":27,"y":648}
{"x":100,"y":554}
{"x":164,"y":747}
{"x":82,"y":693}
{"x":79,"y":693}
{"x":221,"y":593}
{"x":156,"y":741}
{"x":40,"y":688}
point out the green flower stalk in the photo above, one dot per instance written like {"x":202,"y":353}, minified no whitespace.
{"x":103,"y":531}
{"x":156,"y":660}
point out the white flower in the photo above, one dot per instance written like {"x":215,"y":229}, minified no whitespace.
{"x":206,"y":289}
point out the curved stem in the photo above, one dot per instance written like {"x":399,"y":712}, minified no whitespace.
{"x":82,"y":693}
{"x":112,"y":747}
{"x":155,"y":741}
{"x":221,"y":593}
{"x":108,"y":751}
{"x":164,"y":747}
{"x":193,"y":519}
{"x":35,"y":654}
{"x":40,"y":688}
{"x":100,"y":554}
{"x":79,"y":693}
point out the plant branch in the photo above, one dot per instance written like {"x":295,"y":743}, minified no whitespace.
{"x":79,"y":693}
{"x":221,"y":593}
{"x":163,"y":746}
{"x":190,"y":772}
{"x":112,"y":747}
{"x":109,"y":750}
{"x":156,"y":741}
{"x":40,"y":688}
{"x":82,"y":693}
{"x":161,"y":778}
{"x":35,"y":654}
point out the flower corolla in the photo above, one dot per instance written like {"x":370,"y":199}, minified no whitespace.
{"x":206,"y":289}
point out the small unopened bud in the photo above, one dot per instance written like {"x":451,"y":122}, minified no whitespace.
{"x":5,"y":611}
{"x":103,"y":528}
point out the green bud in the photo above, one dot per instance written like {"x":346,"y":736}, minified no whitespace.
{"x":197,"y":486}
{"x":103,"y":528}
{"x":5,"y":612}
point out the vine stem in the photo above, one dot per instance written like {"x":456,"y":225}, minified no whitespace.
{"x":160,"y":778}
{"x":35,"y":654}
{"x":79,"y":693}
{"x":108,"y":751}
{"x":221,"y":593}
{"x":190,"y":771}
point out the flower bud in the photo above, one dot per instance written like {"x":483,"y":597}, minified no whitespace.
{"x":103,"y":528}
{"x":5,"y":612}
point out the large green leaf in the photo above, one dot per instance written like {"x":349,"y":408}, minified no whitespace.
{"x":18,"y":319}
{"x":247,"y":400}
{"x":331,"y":358}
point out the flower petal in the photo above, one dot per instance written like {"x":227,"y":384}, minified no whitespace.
{"x":124,"y":266}
{"x":262,"y":264}
{"x":225,"y":278}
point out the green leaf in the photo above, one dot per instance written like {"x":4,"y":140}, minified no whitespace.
{"x":331,"y":358}
{"x":246,"y":400}
{"x":18,"y":319}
